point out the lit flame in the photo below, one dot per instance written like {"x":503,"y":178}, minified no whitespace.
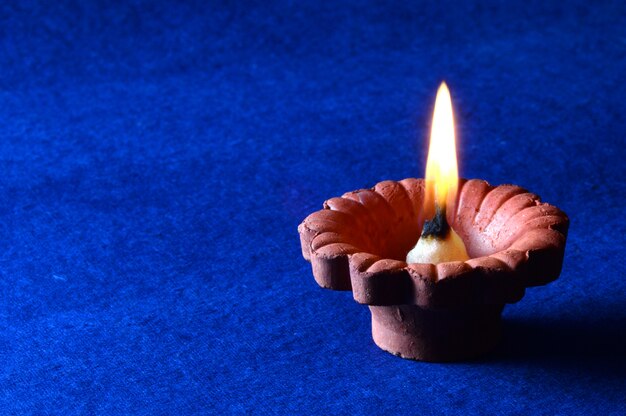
{"x":442,"y":173}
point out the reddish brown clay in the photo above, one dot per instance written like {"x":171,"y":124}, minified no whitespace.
{"x":442,"y":312}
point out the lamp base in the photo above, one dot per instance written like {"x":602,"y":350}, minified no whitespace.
{"x":437,"y":335}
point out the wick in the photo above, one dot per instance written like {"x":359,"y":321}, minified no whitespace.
{"x":438,"y":226}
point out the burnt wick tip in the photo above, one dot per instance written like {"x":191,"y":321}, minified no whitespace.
{"x":438,"y":226}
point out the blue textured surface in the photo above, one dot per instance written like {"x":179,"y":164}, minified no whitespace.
{"x":156,"y":159}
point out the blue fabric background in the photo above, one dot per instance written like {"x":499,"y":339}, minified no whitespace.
{"x":156,"y":159}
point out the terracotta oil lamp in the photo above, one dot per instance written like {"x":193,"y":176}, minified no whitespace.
{"x":436,"y":259}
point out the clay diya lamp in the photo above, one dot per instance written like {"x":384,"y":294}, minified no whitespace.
{"x":437,"y":311}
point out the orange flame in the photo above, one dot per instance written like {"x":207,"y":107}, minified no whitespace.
{"x":442,"y":174}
